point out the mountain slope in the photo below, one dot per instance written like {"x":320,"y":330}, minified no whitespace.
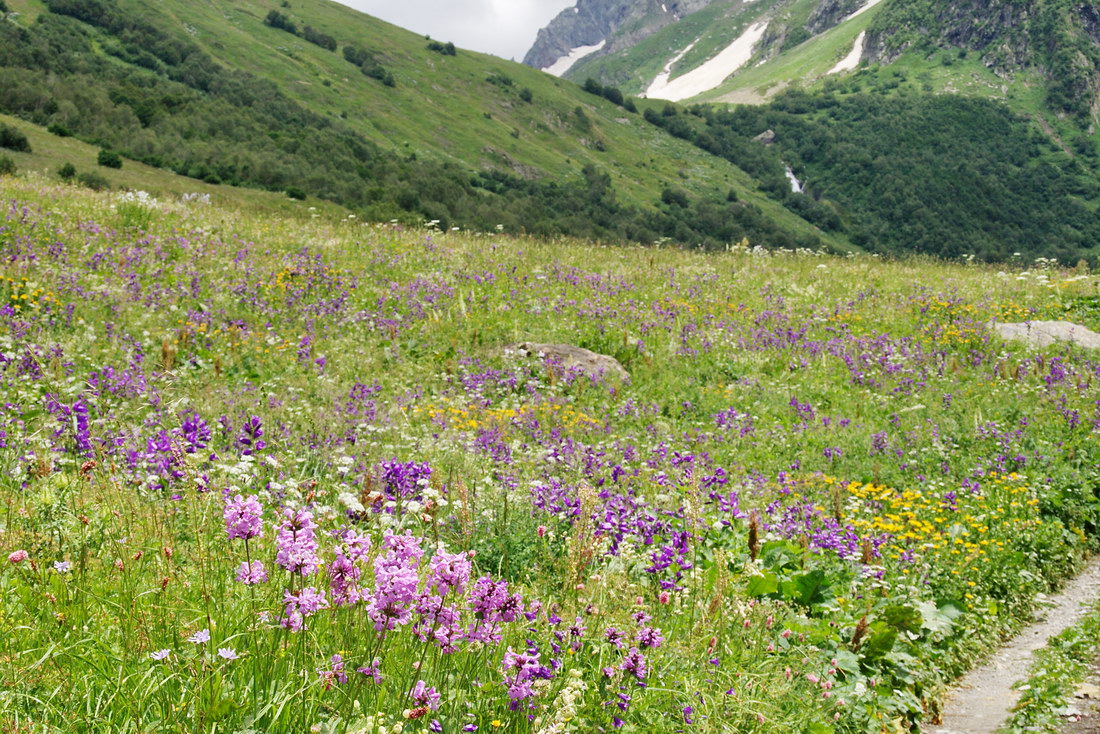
{"x":230,"y":92}
{"x":809,"y":43}
{"x":1059,"y":38}
{"x":603,"y":25}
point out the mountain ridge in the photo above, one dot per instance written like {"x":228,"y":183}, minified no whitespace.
{"x":592,"y":23}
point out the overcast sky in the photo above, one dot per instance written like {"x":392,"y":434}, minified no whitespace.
{"x":506,"y":28}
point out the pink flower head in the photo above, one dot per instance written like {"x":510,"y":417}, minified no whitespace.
{"x":421,"y":695}
{"x":372,"y":671}
{"x":243,"y":517}
{"x":18,"y":556}
{"x":253,"y":574}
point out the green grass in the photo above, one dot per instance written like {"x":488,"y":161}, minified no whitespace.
{"x":920,"y":480}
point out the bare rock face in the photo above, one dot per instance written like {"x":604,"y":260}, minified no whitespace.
{"x":766,"y":138}
{"x":829,"y":13}
{"x":590,"y":22}
{"x":1045,"y":333}
{"x":567,"y":357}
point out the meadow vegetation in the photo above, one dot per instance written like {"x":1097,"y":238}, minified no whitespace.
{"x":283,"y":474}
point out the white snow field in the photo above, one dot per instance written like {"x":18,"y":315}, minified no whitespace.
{"x":566,"y":62}
{"x":851,"y":61}
{"x":712,"y":73}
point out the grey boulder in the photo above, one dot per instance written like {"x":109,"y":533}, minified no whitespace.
{"x":1045,"y":333}
{"x":568,"y":357}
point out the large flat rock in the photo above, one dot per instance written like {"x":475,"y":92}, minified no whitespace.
{"x":1045,"y":333}
{"x":569,"y":357}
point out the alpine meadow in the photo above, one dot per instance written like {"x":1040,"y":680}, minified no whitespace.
{"x":355,"y":382}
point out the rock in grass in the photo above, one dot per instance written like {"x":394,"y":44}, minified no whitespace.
{"x":1045,"y":333}
{"x":567,"y":357}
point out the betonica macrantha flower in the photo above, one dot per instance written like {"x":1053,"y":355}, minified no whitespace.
{"x":244,"y":517}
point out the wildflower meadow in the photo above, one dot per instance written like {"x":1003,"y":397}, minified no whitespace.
{"x":286,"y":475}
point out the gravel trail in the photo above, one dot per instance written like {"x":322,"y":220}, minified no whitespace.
{"x":981,"y":700}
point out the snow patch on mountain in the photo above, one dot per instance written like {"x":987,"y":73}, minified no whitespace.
{"x":662,"y":79}
{"x":851,"y":61}
{"x":712,"y":73}
{"x":562,"y":65}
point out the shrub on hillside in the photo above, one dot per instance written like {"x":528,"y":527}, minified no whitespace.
{"x":369,"y":65}
{"x":275,"y":19}
{"x":59,"y":130}
{"x":447,"y":49}
{"x":675,"y":197}
{"x":13,"y":139}
{"x":526,"y":94}
{"x":296,"y":193}
{"x":7,"y":166}
{"x":318,"y":38}
{"x":109,"y":159}
{"x":356,"y":55}
{"x":67,"y":172}
{"x":93,"y":181}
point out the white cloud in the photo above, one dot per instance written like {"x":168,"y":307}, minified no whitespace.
{"x":506,"y":28}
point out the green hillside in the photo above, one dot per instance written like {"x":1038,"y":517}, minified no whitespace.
{"x":50,"y":153}
{"x":213,"y":91}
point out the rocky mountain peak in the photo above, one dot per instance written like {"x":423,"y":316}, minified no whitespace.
{"x":595,"y":23}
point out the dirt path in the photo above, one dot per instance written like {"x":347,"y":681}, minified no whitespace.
{"x":1082,"y":715}
{"x":982,"y":699}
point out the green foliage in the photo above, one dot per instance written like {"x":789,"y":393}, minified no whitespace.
{"x":7,"y":166}
{"x":526,"y":95}
{"x":674,"y":197}
{"x":56,"y":128}
{"x":109,"y":159}
{"x":368,"y":64}
{"x":1057,"y":669}
{"x":93,"y":181}
{"x":275,"y":19}
{"x":612,"y":94}
{"x":318,"y":38}
{"x":13,"y":139}
{"x":446,"y":49}
{"x":950,"y":176}
{"x":67,"y":172}
{"x":296,"y":193}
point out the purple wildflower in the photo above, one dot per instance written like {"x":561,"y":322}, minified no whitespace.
{"x":421,"y":695}
{"x":297,"y":545}
{"x":252,"y":574}
{"x":634,"y":663}
{"x":243,"y":517}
